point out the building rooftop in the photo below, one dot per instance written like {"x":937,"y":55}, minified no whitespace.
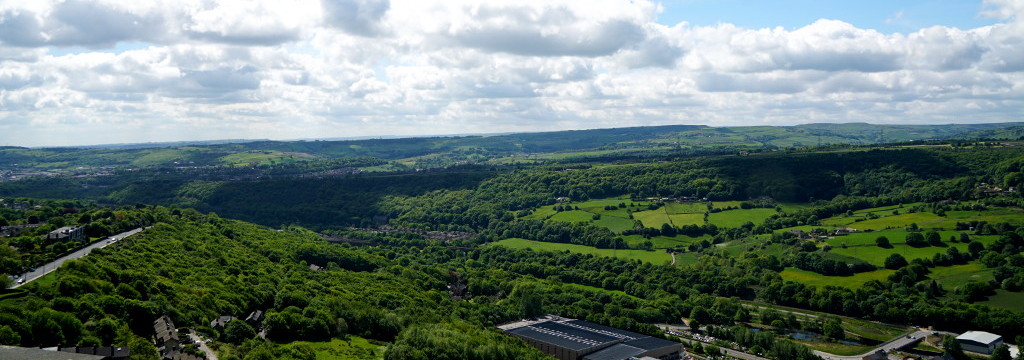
{"x":615,"y":352}
{"x":563,"y":335}
{"x":980,"y":337}
{"x":651,"y":343}
{"x":599,"y":342}
{"x":22,"y":353}
{"x":619,"y":333}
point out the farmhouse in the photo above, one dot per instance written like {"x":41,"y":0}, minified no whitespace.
{"x":843,"y":231}
{"x":979,"y":341}
{"x":166,"y":335}
{"x":255,"y":318}
{"x":221,"y":321}
{"x":800,"y":234}
{"x":569,"y":339}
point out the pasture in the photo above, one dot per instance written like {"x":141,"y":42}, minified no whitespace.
{"x":686,"y":219}
{"x":852,"y":282}
{"x":686,"y":208}
{"x":950,"y":277}
{"x":665,"y":242}
{"x":876,"y":255}
{"x":736,"y":218}
{"x":1013,"y":301}
{"x":653,"y":218}
{"x":656,"y":257}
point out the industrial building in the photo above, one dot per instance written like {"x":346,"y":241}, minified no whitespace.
{"x":569,"y":339}
{"x":979,"y":341}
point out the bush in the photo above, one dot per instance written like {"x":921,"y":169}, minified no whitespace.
{"x":895,"y":261}
{"x":916,"y":240}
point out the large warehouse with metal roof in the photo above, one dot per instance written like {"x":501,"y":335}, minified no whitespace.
{"x":979,"y":341}
{"x":568,"y":339}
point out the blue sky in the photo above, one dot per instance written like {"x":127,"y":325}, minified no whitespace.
{"x":892,"y":16}
{"x":120,"y":71}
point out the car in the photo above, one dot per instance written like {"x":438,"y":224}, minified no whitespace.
{"x":21,"y":281}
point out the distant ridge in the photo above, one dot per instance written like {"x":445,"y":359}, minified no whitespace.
{"x":151,"y":145}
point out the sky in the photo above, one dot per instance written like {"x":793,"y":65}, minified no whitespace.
{"x":77,"y":72}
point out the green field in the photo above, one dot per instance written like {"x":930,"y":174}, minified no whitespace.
{"x":687,"y":219}
{"x":736,"y":218}
{"x":572,"y":216}
{"x":898,"y":236}
{"x":853,"y":282}
{"x":676,"y":214}
{"x":686,"y":208}
{"x":1013,"y":301}
{"x":876,"y":255}
{"x":262,"y":158}
{"x":861,"y":244}
{"x":656,"y":257}
{"x":614,"y":223}
{"x":617,"y":220}
{"x":653,"y":218}
{"x":926,"y":220}
{"x":664,"y":242}
{"x":951,"y":277}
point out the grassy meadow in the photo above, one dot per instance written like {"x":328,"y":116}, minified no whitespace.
{"x":656,"y":257}
{"x":852,"y":282}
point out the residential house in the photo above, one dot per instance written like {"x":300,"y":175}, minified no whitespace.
{"x":72,"y":233}
{"x":221,"y":321}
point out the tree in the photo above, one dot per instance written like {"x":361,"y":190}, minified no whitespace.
{"x":933,"y":238}
{"x":833,"y":329}
{"x":895,"y":261}
{"x":952,"y":347}
{"x":975,"y":248}
{"x":883,"y":242}
{"x":530,"y":303}
{"x":916,"y":240}
{"x":8,"y":336}
{"x":1001,"y":353}
{"x":237,"y":331}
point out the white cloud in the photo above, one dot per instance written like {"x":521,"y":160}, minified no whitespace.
{"x":318,"y":68}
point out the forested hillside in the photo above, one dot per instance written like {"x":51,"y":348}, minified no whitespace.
{"x":859,"y":243}
{"x":434,"y":152}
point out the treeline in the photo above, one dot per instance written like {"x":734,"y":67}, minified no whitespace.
{"x":559,"y":232}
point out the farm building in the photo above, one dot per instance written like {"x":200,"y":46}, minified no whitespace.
{"x":569,"y":339}
{"x":979,"y":341}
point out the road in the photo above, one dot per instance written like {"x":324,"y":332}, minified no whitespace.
{"x":897,"y":343}
{"x":210,"y":355}
{"x":53,"y":265}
